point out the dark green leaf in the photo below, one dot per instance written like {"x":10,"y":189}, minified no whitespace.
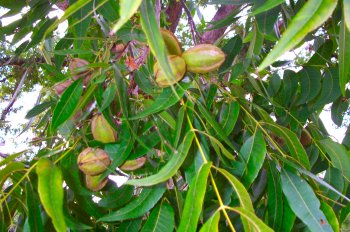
{"x":229,"y":115}
{"x":304,"y":202}
{"x":137,"y":207}
{"x":339,"y":156}
{"x":310,"y":81}
{"x":161,"y":219}
{"x":166,"y":99}
{"x":66,"y":106}
{"x":34,"y":214}
{"x":39,"y":109}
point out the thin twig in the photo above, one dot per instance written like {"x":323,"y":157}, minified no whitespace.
{"x":158,"y":9}
{"x":193,"y":28}
{"x":7,"y":109}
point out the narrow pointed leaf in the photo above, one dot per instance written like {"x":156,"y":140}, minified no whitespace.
{"x":253,"y":152}
{"x":161,"y":219}
{"x":339,"y":156}
{"x":252,"y":219}
{"x":310,"y":82}
{"x":311,"y":16}
{"x":50,"y":190}
{"x":154,"y":38}
{"x":67,"y":104}
{"x":294,"y":146}
{"x":127,"y":9}
{"x":137,"y":207}
{"x":344,"y":56}
{"x":346,"y":8}
{"x":269,"y":4}
{"x":34,"y":214}
{"x":212,"y":224}
{"x":242,"y":194}
{"x":330,"y":215}
{"x":304,"y":202}
{"x":165,"y":100}
{"x":194,"y":200}
{"x":170,"y":168}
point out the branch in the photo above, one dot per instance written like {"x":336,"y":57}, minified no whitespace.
{"x":194,"y":31}
{"x":173,"y":13}
{"x":13,"y":100}
{"x":211,"y":36}
{"x":17,"y":61}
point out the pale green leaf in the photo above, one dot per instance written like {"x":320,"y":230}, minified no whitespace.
{"x":304,"y":202}
{"x":212,"y":224}
{"x":346,"y":9}
{"x":344,"y":56}
{"x":194,"y":200}
{"x":330,"y":215}
{"x":311,"y":16}
{"x":269,"y":4}
{"x":170,"y":168}
{"x":127,"y":9}
{"x":242,"y":194}
{"x":51,"y":194}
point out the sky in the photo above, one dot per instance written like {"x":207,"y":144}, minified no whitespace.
{"x":13,"y":143}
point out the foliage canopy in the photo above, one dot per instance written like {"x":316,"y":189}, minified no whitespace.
{"x":238,"y":148}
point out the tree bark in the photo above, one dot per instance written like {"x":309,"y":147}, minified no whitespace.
{"x":211,"y":36}
{"x":173,"y":13}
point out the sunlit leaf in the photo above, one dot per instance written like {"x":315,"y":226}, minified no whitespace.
{"x":194,"y":200}
{"x":170,"y":168}
{"x":311,"y":16}
{"x":344,"y":55}
{"x":126,"y":10}
{"x":50,"y":190}
{"x":212,"y":224}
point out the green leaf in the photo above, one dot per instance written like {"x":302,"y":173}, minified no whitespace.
{"x":72,"y":52}
{"x":231,"y":49}
{"x":311,"y":16}
{"x":82,"y":20}
{"x":9,"y":169}
{"x":335,"y":178}
{"x":274,"y":198}
{"x":252,"y":219}
{"x":339,"y":156}
{"x":220,"y":132}
{"x":39,"y":109}
{"x":269,"y":4}
{"x":253,"y":152}
{"x":34,"y":214}
{"x":170,"y":168}
{"x":66,"y":106}
{"x":161,"y":219}
{"x":212,"y":224}
{"x":303,"y":201}
{"x":126,"y":10}
{"x":228,"y":116}
{"x":294,"y":146}
{"x":165,"y":100}
{"x":194,"y":200}
{"x":155,"y":40}
{"x":330,"y":215}
{"x":137,"y":207}
{"x":310,"y":82}
{"x":338,"y":110}
{"x":346,"y":10}
{"x":130,"y":226}
{"x":108,"y":96}
{"x":330,"y":89}
{"x":344,"y":56}
{"x":242,"y":194}
{"x":345,"y":225}
{"x":117,"y":197}
{"x":50,"y":190}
